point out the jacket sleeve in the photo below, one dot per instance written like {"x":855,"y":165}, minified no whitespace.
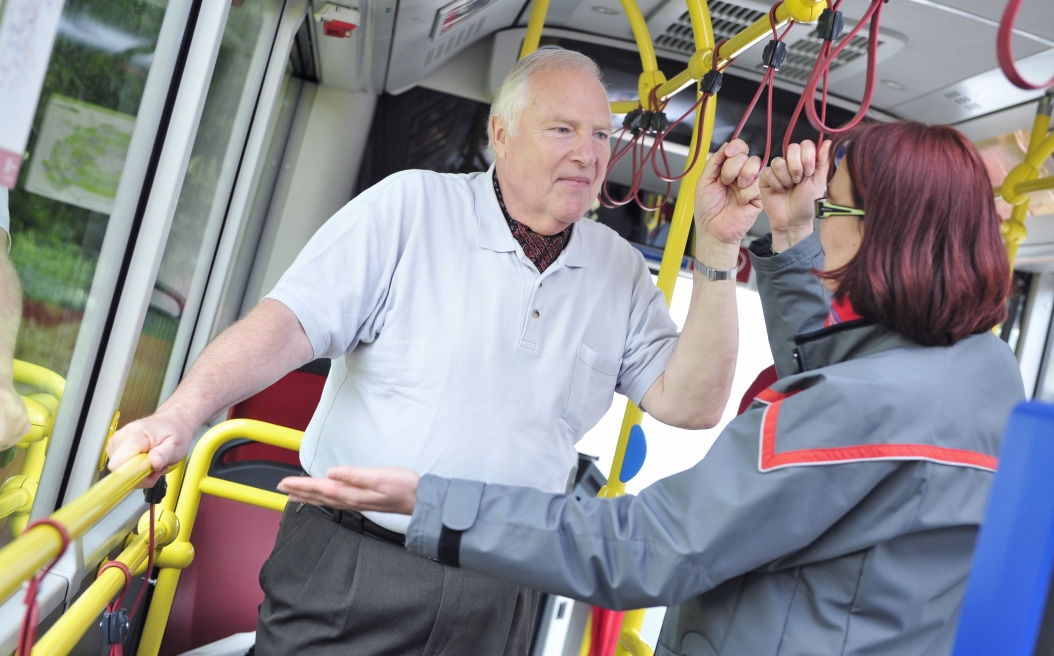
{"x":792,"y":297}
{"x":678,"y":538}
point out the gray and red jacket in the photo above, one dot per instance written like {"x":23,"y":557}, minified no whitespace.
{"x":837,"y":515}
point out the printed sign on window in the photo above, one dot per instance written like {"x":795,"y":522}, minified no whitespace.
{"x":27,"y":33}
{"x":79,"y":155}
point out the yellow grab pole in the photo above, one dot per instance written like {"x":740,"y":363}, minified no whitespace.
{"x":802,"y":11}
{"x":534,"y":27}
{"x":1039,"y":184}
{"x":39,"y":377}
{"x":195,"y":482}
{"x":64,"y":635}
{"x":27,"y":483}
{"x":13,"y":497}
{"x":218,"y":487}
{"x":23,"y":557}
{"x":41,"y":418}
{"x":630,"y":643}
{"x":1039,"y":149}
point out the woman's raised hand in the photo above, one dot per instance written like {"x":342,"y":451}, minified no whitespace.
{"x":726,"y":197}
{"x":789,"y":187}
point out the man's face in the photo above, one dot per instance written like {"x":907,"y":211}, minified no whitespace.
{"x":555,"y":164}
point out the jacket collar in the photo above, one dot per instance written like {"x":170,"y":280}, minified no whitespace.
{"x":494,"y":233}
{"x":844,"y":341}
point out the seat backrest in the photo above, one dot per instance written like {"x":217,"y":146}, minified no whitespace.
{"x":1007,"y":591}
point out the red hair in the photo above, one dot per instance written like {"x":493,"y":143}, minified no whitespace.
{"x":931,"y":263}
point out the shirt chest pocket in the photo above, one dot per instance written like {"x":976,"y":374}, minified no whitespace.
{"x":592,"y":386}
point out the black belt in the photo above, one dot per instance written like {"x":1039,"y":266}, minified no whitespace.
{"x":361,"y":525}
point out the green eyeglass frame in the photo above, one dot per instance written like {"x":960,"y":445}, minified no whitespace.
{"x":825,"y":209}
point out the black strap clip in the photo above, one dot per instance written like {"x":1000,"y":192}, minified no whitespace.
{"x":114,"y":626}
{"x":830,"y":25}
{"x":711,"y":82}
{"x":156,"y":494}
{"x":775,"y":54}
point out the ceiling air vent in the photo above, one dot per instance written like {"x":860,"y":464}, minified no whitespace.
{"x":727,"y":19}
{"x":801,"y":56}
{"x":671,"y":30}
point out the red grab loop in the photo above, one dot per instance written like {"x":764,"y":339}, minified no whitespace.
{"x":117,"y":648}
{"x":1005,"y":52}
{"x":767,"y":82}
{"x":873,"y":14}
{"x":27,"y":634}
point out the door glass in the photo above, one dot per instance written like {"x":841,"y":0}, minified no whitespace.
{"x":234,"y":303}
{"x":61,"y":205}
{"x":203,"y":201}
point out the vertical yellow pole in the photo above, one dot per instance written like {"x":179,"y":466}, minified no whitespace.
{"x":534,"y":27}
{"x":630,"y":643}
{"x":1013,"y":229}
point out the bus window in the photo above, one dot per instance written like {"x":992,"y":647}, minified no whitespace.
{"x":64,"y":198}
{"x":234,"y":94}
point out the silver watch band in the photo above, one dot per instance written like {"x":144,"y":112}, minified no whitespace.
{"x":715,"y":274}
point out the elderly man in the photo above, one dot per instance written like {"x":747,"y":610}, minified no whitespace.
{"x":477,"y":329}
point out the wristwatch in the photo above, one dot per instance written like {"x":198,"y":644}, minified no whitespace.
{"x":715,"y":274}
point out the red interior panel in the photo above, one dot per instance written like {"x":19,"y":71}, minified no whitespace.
{"x":219,"y":594}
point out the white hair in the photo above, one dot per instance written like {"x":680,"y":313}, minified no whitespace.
{"x":512,"y":96}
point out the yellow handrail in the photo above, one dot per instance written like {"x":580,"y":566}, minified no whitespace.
{"x":802,"y":11}
{"x":195,"y":482}
{"x":64,"y":635}
{"x":40,"y":377}
{"x":18,"y":492}
{"x":24,"y":556}
{"x":1022,"y":179}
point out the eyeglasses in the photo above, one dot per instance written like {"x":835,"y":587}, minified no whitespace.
{"x":825,"y":209}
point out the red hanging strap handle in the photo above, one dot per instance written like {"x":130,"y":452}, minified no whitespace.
{"x":873,"y":14}
{"x":1005,"y":52}
{"x":27,"y":634}
{"x":116,"y":644}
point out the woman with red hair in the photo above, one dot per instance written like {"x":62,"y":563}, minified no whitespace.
{"x":838,"y":514}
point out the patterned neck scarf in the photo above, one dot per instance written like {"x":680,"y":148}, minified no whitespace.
{"x":540,"y":249}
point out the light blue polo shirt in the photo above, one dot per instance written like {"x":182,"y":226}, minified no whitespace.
{"x":451,"y":354}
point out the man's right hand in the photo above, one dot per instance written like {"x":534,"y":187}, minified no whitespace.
{"x":164,"y":435}
{"x":789,"y":187}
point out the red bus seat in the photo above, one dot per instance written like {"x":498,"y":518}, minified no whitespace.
{"x":219,"y":594}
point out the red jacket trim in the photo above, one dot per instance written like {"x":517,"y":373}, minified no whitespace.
{"x":770,"y":460}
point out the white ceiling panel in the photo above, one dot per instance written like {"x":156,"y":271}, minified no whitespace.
{"x":1035,"y":16}
{"x":942,"y":49}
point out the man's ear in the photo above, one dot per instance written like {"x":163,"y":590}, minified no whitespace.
{"x":499,"y":136}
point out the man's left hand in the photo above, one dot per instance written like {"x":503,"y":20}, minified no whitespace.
{"x":14,"y":421}
{"x":727,"y":196}
{"x":384,"y":489}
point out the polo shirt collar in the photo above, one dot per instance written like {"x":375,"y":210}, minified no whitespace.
{"x":494,"y":232}
{"x":574,"y":254}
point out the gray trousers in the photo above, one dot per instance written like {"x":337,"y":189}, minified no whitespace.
{"x":330,"y":590}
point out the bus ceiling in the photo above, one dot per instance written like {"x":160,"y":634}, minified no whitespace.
{"x":937,"y":59}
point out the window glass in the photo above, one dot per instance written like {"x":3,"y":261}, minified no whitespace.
{"x":62,"y":201}
{"x":234,"y":304}
{"x":203,"y":200}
